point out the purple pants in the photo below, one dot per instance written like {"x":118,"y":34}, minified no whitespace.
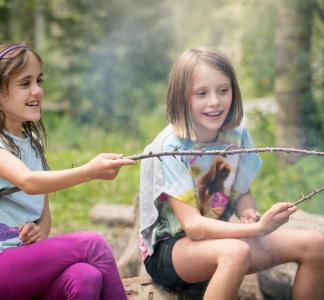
{"x":74,"y":266}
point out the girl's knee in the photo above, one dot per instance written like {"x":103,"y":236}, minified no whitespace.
{"x":95,"y":239}
{"x":86,"y":281}
{"x":237,"y":254}
{"x":313,"y":246}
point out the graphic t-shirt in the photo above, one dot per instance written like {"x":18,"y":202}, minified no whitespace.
{"x":19,"y":208}
{"x":211,"y":183}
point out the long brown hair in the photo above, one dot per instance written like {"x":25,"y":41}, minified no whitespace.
{"x":12,"y":62}
{"x":180,"y":84}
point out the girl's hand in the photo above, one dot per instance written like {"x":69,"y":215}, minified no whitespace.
{"x":248,"y":215}
{"x":106,"y":165}
{"x":30,"y":233}
{"x":276,"y":216}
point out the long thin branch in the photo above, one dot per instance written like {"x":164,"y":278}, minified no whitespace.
{"x":224,"y":152}
{"x":312,"y":194}
{"x":6,"y":191}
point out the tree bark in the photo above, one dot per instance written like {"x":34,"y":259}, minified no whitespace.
{"x":39,"y":25}
{"x":293,"y":73}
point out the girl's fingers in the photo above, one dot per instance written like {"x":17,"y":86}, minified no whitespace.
{"x":24,"y":229}
{"x":278,"y":208}
{"x":28,"y":231}
{"x":117,"y":163}
{"x":33,"y":238}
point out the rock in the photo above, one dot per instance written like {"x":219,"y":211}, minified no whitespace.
{"x":113,"y":214}
{"x":276,"y":283}
{"x":249,"y":289}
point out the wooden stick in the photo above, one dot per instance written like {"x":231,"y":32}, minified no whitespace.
{"x":6,"y":191}
{"x":224,"y":152}
{"x":302,"y":199}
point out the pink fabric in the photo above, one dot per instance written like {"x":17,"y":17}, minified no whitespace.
{"x":218,"y":200}
{"x":73,"y":266}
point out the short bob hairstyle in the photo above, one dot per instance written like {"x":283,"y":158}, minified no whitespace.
{"x":180,"y":88}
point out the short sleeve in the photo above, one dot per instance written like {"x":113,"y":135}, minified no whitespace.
{"x":178,"y":181}
{"x":248,"y":166}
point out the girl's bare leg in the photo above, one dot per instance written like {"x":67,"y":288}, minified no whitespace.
{"x":223,"y":261}
{"x":302,"y":246}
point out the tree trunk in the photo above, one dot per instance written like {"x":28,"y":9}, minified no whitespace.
{"x":293,"y":73}
{"x":39,"y":25}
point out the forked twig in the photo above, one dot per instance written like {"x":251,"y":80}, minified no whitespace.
{"x":302,"y":199}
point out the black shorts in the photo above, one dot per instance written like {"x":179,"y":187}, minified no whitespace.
{"x":160,"y":267}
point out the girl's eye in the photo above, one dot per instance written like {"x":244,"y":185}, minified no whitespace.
{"x":25,"y":83}
{"x":223,"y":91}
{"x":40,"y":81}
{"x":201,"y":93}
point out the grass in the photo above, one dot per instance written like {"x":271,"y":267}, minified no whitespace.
{"x":72,"y":144}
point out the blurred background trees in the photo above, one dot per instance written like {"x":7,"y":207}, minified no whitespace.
{"x":108,"y":60}
{"x":105,"y":57}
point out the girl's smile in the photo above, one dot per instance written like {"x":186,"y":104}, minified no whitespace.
{"x":210,"y":101}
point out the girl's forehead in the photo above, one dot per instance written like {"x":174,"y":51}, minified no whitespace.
{"x":206,"y":73}
{"x":32,"y":67}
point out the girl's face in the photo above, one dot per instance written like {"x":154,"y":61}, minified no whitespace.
{"x":22,"y":102}
{"x":210,"y":101}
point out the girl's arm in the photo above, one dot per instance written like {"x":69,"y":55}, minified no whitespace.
{"x":103,"y":166}
{"x":32,"y":232}
{"x":198,"y":227}
{"x":45,"y":221}
{"x":245,"y":209}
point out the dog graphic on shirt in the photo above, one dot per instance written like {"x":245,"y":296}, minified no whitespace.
{"x":211,"y":188}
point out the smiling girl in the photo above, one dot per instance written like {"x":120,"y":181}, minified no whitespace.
{"x":72,"y":266}
{"x":186,"y":202}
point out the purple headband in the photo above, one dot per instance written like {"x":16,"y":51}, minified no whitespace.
{"x":5,"y":51}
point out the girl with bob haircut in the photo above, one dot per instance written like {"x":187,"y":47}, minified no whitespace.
{"x":72,"y":266}
{"x":186,"y":202}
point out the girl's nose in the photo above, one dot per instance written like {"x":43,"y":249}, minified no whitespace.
{"x":36,"y":90}
{"x":213,"y":100}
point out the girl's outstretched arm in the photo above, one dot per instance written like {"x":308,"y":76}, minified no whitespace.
{"x":104,"y":166}
{"x":198,"y":227}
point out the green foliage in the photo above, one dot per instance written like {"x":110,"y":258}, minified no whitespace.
{"x":258,"y":57}
{"x":72,"y":144}
{"x":288,"y":183}
{"x":111,"y":62}
{"x":277,"y":182}
{"x":317,"y":65}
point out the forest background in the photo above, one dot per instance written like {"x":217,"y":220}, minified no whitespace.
{"x":106,"y":70}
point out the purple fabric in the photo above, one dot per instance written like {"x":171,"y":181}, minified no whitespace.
{"x":7,"y":233}
{"x":5,"y":51}
{"x":73,"y":266}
